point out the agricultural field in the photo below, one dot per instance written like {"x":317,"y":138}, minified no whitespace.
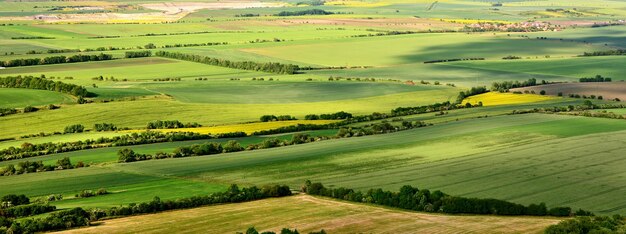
{"x":607,"y":90}
{"x":215,"y":114}
{"x":332,"y":216}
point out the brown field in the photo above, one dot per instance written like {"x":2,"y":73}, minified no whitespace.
{"x":169,"y":11}
{"x":307,"y":213}
{"x":387,"y":23}
{"x":608,"y":90}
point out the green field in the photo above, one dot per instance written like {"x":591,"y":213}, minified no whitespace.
{"x":450,"y":157}
{"x":364,"y":57}
{"x":19,"y":98}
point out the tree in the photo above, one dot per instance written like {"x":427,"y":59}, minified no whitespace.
{"x":76,"y":128}
{"x":232,"y":146}
{"x":542,"y":92}
{"x":126,"y":155}
{"x":150,"y":46}
{"x":15,"y":200}
{"x":64,"y":163}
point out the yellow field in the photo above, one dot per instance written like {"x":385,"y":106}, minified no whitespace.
{"x":356,"y":3}
{"x":497,"y":98}
{"x":307,"y":214}
{"x":247,"y":127}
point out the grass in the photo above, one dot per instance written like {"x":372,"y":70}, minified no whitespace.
{"x":417,"y":48}
{"x":248,"y":128}
{"x":497,"y":98}
{"x":308,"y":214}
{"x":519,"y":158}
{"x":19,"y":98}
{"x":136,"y":114}
{"x":608,"y":66}
{"x":109,"y":155}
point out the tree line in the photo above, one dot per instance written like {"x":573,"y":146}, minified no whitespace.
{"x":605,"y":53}
{"x":78,"y":217}
{"x":412,"y":198}
{"x":586,"y":225}
{"x":453,"y":60}
{"x":137,"y":54}
{"x":270,"y":118}
{"x":504,"y":86}
{"x":337,"y":115}
{"x":127,"y":155}
{"x":55,"y":60}
{"x":27,"y":150}
{"x":252,"y":230}
{"x":597,"y":78}
{"x":170,"y":124}
{"x":471,"y":92}
{"x":304,"y":12}
{"x":31,"y":82}
{"x":244,"y":65}
{"x":38,"y":166}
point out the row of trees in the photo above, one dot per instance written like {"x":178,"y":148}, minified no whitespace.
{"x":304,"y":12}
{"x":26,"y":210}
{"x":245,"y":65}
{"x":504,"y":86}
{"x":606,"y":53}
{"x":471,"y":92}
{"x":597,"y":78}
{"x":337,"y":115}
{"x":55,"y":60}
{"x":75,"y":128}
{"x":31,"y":82}
{"x":209,"y":148}
{"x":61,"y":220}
{"x":270,"y":118}
{"x":170,"y":124}
{"x":252,"y":230}
{"x":38,"y":166}
{"x":412,"y":198}
{"x":453,"y":60}
{"x":103,"y":127}
{"x":10,"y":200}
{"x":31,"y":150}
{"x":7,"y":111}
{"x":137,"y":54}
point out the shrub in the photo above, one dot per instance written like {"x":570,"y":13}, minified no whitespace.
{"x":76,"y":128}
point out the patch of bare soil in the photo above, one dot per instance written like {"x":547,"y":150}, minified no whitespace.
{"x":386,"y":23}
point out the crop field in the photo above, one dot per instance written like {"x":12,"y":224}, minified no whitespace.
{"x":26,"y":97}
{"x":248,"y":128}
{"x":496,"y":98}
{"x":106,"y":104}
{"x":608,"y":90}
{"x":307,"y":214}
